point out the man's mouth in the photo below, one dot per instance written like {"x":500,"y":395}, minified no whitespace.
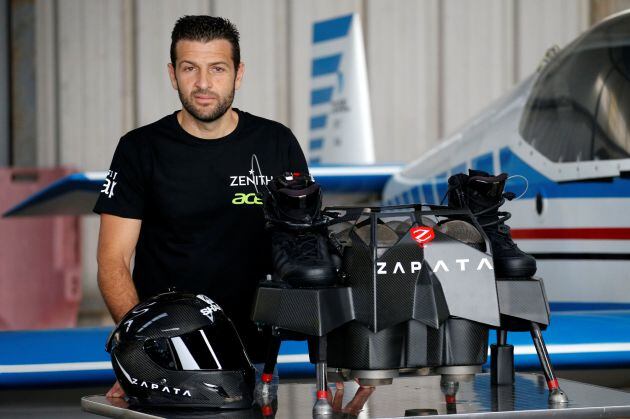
{"x":204,"y":98}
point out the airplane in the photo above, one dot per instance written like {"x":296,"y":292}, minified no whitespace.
{"x":562,"y":133}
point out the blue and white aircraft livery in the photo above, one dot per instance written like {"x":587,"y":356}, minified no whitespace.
{"x":340,"y":121}
{"x":562,"y":135}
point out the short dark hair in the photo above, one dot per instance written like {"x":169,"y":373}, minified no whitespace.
{"x":205,"y":28}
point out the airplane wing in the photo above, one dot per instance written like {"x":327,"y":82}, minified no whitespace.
{"x":575,"y":339}
{"x":76,"y":194}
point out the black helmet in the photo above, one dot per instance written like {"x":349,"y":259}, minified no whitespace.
{"x":179,"y":349}
{"x":293,"y":198}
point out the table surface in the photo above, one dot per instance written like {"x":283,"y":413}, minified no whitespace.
{"x":413,"y":396}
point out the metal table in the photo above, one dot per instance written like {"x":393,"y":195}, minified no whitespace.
{"x":414,"y":396}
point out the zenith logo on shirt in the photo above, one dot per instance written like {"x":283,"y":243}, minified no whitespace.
{"x":110,"y":183}
{"x":253,"y":179}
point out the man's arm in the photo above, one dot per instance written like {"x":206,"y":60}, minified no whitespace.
{"x":116,"y":244}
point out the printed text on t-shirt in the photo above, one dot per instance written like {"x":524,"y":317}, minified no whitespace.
{"x":110,"y":183}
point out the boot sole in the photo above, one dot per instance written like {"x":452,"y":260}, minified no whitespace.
{"x":514,"y":269}
{"x":313,"y":278}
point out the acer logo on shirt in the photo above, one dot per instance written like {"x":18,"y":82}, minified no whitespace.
{"x":246,"y":199}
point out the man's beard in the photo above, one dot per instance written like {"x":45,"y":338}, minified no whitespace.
{"x":208,"y":114}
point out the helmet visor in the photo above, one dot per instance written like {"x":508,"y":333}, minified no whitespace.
{"x":198,"y":350}
{"x":300,"y":204}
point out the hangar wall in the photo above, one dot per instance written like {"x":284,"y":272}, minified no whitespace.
{"x":4,"y":85}
{"x":101,"y":69}
{"x":431,"y":64}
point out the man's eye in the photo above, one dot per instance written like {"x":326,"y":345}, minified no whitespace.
{"x":218,"y":69}
{"x":189,"y":68}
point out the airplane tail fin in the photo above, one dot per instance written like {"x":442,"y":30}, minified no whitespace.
{"x":340,"y":120}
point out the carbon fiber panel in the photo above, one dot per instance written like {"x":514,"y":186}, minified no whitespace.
{"x":411,"y":344}
{"x":397,"y":287}
{"x":357,"y":264}
{"x":156,"y":324}
{"x":314,"y":312}
{"x":464,"y":343}
{"x":430,"y":305}
{"x":523,"y":299}
{"x":416,"y":344}
{"x":354,"y":346}
{"x":152,"y":384}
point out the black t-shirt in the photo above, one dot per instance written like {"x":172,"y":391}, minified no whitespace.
{"x":202,"y":224}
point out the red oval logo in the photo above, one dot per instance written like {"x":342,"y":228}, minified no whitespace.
{"x":422,"y":235}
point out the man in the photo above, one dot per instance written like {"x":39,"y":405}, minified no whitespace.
{"x":181,"y":192}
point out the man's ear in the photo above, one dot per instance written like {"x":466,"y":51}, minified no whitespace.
{"x":171,"y":75}
{"x":239,"y":75}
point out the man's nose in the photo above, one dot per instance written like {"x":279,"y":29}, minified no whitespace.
{"x":204,"y":80}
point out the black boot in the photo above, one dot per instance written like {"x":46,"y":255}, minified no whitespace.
{"x":483,"y":195}
{"x":299,"y":244}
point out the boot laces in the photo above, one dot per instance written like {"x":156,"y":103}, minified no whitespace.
{"x":502,"y":233}
{"x":503,"y":216}
{"x":303,"y":247}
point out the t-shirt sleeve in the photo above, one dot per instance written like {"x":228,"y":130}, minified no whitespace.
{"x":296,"y":162}
{"x":123,"y":193}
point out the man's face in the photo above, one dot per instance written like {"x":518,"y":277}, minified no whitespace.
{"x":205,"y":77}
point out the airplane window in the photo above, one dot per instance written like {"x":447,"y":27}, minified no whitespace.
{"x":579,"y":108}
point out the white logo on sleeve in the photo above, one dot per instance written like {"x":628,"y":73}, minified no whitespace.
{"x":110,"y":183}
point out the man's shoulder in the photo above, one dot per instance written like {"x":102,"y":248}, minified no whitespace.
{"x":141,"y":135}
{"x":160,"y":124}
{"x":256,"y":121}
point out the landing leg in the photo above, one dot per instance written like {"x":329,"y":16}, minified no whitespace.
{"x":265,"y":393}
{"x":556,"y":395}
{"x":317,"y":355}
{"x":273,"y":349}
{"x":502,"y":360}
{"x":449,"y":388}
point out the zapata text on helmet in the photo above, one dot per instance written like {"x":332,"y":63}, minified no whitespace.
{"x":164,"y":389}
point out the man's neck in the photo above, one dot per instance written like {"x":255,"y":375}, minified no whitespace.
{"x":208,"y":130}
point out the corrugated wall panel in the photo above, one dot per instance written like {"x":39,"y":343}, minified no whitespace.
{"x":91,"y":81}
{"x":45,"y":78}
{"x":477,"y":52}
{"x":263,"y":26}
{"x":5,"y":94}
{"x":91,"y":91}
{"x":600,"y":9}
{"x":403,"y":65}
{"x":541,"y":24}
{"x":154,"y":22}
